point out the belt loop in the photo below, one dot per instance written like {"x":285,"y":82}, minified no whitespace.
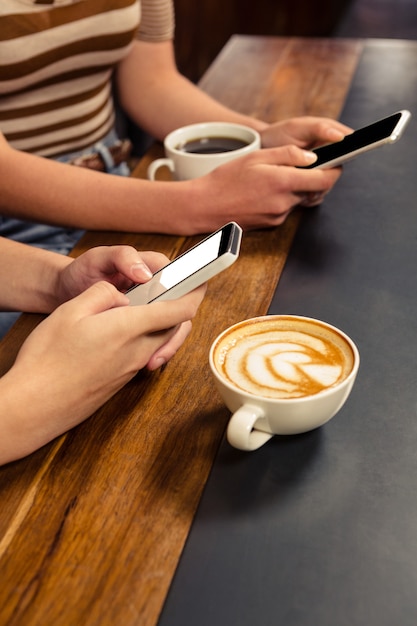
{"x":105,"y":158}
{"x":105,"y":154}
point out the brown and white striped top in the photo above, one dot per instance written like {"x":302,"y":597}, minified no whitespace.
{"x":56,"y":63}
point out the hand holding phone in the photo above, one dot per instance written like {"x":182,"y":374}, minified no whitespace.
{"x":385,"y":131}
{"x":191,"y":269}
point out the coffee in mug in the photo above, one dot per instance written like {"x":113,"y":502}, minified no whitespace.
{"x":196,"y":150}
{"x":281,"y":374}
{"x":211,"y":145}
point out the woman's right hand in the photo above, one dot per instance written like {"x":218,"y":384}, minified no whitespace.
{"x":80,"y":356}
{"x":258,"y":190}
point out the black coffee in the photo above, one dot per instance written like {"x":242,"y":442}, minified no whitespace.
{"x":212,"y":145}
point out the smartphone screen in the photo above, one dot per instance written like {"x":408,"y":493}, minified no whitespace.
{"x":383,"y":131}
{"x":192,"y":268}
{"x":190,"y":262}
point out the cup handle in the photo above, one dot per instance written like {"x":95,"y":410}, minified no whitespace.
{"x":155,"y":165}
{"x":241,"y":433}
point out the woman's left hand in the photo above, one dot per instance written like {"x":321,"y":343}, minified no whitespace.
{"x":120,"y":265}
{"x":304,"y":132}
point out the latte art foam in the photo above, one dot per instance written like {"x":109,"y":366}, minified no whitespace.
{"x":289,"y":358}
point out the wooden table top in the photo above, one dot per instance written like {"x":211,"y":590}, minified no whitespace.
{"x":92,"y":526}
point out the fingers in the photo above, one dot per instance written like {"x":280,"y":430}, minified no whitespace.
{"x":168,"y":314}
{"x":305,"y":132}
{"x":296,"y":180}
{"x":102,"y":338}
{"x":125,"y":260}
{"x":120,"y":265}
{"x":134,"y":259}
{"x":163,"y":354}
{"x":327,"y":131}
{"x":169,"y":349}
{"x":311,"y":198}
{"x":100,"y":297}
{"x":284,"y":155}
{"x":176,"y":325}
{"x":262,"y":188}
{"x":150,"y":318}
{"x":316,"y":183}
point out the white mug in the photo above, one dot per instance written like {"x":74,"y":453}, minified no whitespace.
{"x":186,"y":165}
{"x":281,"y":375}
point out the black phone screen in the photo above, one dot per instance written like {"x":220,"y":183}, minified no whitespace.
{"x":357,"y":140}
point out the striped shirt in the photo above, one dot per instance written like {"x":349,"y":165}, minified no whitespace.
{"x":57,"y":59}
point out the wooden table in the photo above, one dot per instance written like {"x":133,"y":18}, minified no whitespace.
{"x":92,"y":526}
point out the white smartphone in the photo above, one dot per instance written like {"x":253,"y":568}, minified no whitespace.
{"x":379,"y":133}
{"x":191,"y":269}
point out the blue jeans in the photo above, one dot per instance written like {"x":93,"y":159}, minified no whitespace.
{"x":55,"y":238}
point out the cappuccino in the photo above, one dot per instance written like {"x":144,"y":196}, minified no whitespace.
{"x":283,"y":358}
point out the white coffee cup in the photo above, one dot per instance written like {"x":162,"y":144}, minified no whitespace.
{"x":186,"y":165}
{"x":281,"y":375}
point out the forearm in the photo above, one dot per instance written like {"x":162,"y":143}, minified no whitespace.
{"x":36,"y":406}
{"x":21,"y":404}
{"x":156,"y":85}
{"x":55,"y":193}
{"x":185,"y":104}
{"x":28,"y":277}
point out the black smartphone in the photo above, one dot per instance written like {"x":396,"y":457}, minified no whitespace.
{"x":379,"y":133}
{"x":193,"y":268}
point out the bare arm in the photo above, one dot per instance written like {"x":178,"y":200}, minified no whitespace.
{"x":36,"y":280}
{"x":257,"y":191}
{"x":160,"y":99}
{"x":44,"y":190}
{"x":79,"y":357}
{"x":148,"y":81}
{"x":28,"y":277}
{"x":89,"y":347}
